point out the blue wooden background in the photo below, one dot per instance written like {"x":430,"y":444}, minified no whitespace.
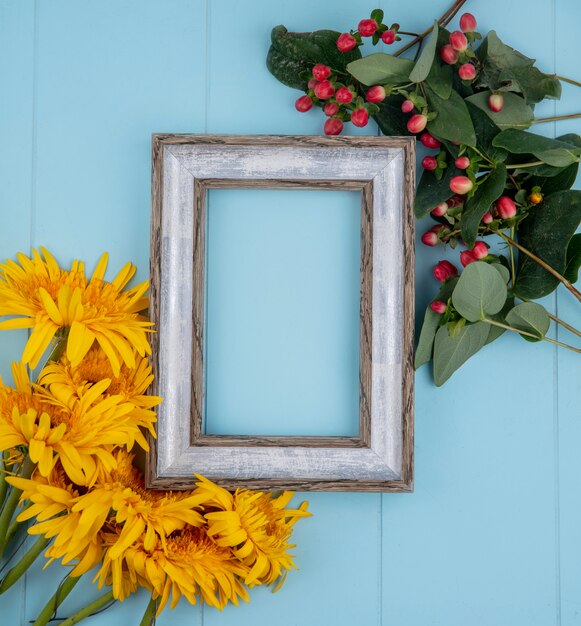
{"x":492,"y":534}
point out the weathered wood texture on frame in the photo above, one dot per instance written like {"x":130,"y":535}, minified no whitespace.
{"x":380,"y":458}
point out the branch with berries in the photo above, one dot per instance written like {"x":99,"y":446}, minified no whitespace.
{"x":469,"y":100}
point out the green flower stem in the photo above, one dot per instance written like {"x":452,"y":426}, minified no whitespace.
{"x":511,"y":252}
{"x":542,"y":263}
{"x":50,"y":608}
{"x":25,"y":562}
{"x":556,"y":118}
{"x":97,"y":604}
{"x":568,"y":80}
{"x":12,"y":502}
{"x":3,"y":483}
{"x":13,"y":529}
{"x":444,"y":20}
{"x":148,"y":618}
{"x":527,"y":334}
{"x":564,"y":324}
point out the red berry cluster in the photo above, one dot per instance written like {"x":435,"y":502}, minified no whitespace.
{"x":459,"y":51}
{"x":339,"y":102}
{"x":370,"y":27}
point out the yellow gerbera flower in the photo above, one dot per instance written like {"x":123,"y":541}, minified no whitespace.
{"x":80,"y":431}
{"x":190,"y":564}
{"x":256,"y":526}
{"x":68,"y":381}
{"x":47,"y":299}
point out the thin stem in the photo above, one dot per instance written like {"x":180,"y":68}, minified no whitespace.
{"x":556,"y":118}
{"x":567,"y":80}
{"x":405,"y":32}
{"x":524,"y":332}
{"x":14,"y":528}
{"x":50,"y":608}
{"x":564,"y":324}
{"x":517,"y":166}
{"x":97,"y":604}
{"x":148,"y":618}
{"x":542,"y":263}
{"x":512,"y":266}
{"x":25,"y":562}
{"x":12,"y":502}
{"x":3,"y":483}
{"x":443,"y":21}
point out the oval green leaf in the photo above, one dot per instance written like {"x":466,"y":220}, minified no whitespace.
{"x":424,"y":63}
{"x":381,"y":69}
{"x":529,"y":317}
{"x":516,"y":113}
{"x":552,"y":151}
{"x":481,"y":291}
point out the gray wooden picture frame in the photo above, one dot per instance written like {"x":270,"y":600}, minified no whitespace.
{"x":380,"y":458}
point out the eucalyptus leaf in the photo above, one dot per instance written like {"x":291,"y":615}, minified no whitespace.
{"x":486,"y":130}
{"x":573,"y":264}
{"x":424,"y":63}
{"x":487,"y":192}
{"x":481,"y":291}
{"x":431,"y":322}
{"x":546,"y":232}
{"x":453,"y":121}
{"x":551,"y":151}
{"x":452,"y":352}
{"x":529,"y":317}
{"x":381,"y":69}
{"x":516,"y":113}
{"x":431,"y":191}
{"x":502,"y":270}
{"x":292,"y":54}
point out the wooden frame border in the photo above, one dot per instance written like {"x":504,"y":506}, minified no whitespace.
{"x":184,"y":168}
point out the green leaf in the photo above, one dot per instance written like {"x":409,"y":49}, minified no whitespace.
{"x":381,"y":68}
{"x":440,"y":79}
{"x":502,"y":270}
{"x":496,"y":331}
{"x":516,"y":113}
{"x":452,"y":352}
{"x":481,"y":291}
{"x":551,"y":151}
{"x":430,"y":326}
{"x":424,"y":63}
{"x":431,"y":191}
{"x":390,"y":118}
{"x":573,"y":263}
{"x":504,"y":68}
{"x":529,"y":317}
{"x":546,"y":232}
{"x":453,"y":121}
{"x":377,"y":15}
{"x":486,"y":193}
{"x":486,"y":130}
{"x":292,"y":54}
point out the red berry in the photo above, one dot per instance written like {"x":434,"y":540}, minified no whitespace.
{"x":367,"y":27}
{"x":429,"y":163}
{"x":468,"y":23}
{"x":429,"y":141}
{"x":331,"y":109}
{"x":388,"y":36}
{"x":440,"y":210}
{"x":346,"y":42}
{"x":429,"y":238}
{"x":444,"y":270}
{"x":467,"y":257}
{"x":467,"y":71}
{"x":461,"y":185}
{"x":448,"y":54}
{"x":304,"y":103}
{"x":438,"y":307}
{"x":506,"y":207}
{"x":333,"y":126}
{"x":458,"y":41}
{"x":343,"y":95}
{"x":375,"y":94}
{"x":320,"y":72}
{"x":407,"y":106}
{"x":487,"y":218}
{"x":312,"y":83}
{"x":324,"y":90}
{"x":480,"y":250}
{"x":360,"y":117}
{"x":417,"y":123}
{"x":462,"y":162}
{"x":496,"y":102}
